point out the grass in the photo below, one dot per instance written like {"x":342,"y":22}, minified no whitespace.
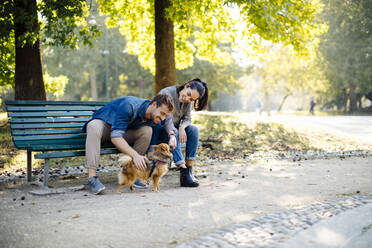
{"x":227,"y":136}
{"x":224,"y":136}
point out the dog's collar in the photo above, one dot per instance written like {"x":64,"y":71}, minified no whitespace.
{"x":160,"y":161}
{"x":154,"y":162}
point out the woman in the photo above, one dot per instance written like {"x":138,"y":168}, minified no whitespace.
{"x":177,"y":128}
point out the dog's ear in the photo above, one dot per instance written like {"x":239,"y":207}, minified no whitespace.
{"x":155,"y":146}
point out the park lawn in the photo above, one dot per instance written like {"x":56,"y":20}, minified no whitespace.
{"x":223,"y":136}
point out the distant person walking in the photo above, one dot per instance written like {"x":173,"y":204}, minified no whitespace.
{"x":258,"y":107}
{"x":312,"y":105}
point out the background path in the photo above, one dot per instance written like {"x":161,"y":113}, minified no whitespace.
{"x":359,"y":127}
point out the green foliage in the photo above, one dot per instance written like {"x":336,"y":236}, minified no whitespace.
{"x":207,"y":29}
{"x":346,"y":49}
{"x":124,"y":74}
{"x":7,"y":59}
{"x":55,"y":85}
{"x":219,"y":78}
{"x":281,"y":69}
{"x":287,"y":21}
{"x":62,"y":23}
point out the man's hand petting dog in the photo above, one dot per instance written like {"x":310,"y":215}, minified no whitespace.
{"x":140,"y":162}
{"x":161,"y":156}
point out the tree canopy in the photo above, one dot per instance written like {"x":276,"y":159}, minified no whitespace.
{"x":58,"y":23}
{"x":207,"y":29}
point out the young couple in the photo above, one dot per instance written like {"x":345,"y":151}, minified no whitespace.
{"x":134,"y":124}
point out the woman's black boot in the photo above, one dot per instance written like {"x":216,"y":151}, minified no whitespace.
{"x":191,"y":173}
{"x":186,"y":179}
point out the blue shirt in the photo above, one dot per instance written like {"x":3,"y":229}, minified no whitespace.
{"x":123,"y":113}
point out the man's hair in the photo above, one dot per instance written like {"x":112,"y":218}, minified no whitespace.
{"x":164,"y":99}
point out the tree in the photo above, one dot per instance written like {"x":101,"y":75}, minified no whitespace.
{"x":282,"y":70}
{"x":60,"y":25}
{"x":88,"y":68}
{"x":206,"y":28}
{"x":219,"y":78}
{"x":346,"y":50}
{"x":28,"y":79}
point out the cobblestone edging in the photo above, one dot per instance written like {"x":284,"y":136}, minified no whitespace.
{"x":274,"y":229}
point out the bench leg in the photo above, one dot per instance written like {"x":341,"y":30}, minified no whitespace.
{"x":46,"y":172}
{"x":29,"y":166}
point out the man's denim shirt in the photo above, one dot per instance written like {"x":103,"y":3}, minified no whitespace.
{"x":123,"y":113}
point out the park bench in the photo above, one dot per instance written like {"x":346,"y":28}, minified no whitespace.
{"x":53,"y":129}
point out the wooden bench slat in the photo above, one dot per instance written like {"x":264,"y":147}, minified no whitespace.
{"x":48,"y":131}
{"x":52,"y":108}
{"x":49,"y":137}
{"x":49,"y":114}
{"x":47,"y":125}
{"x":50,"y":142}
{"x":44,"y":103}
{"x":73,"y":153}
{"x":55,"y":145}
{"x":51,"y":146}
{"x":46,"y":120}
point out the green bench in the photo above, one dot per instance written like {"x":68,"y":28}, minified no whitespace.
{"x":53,"y":129}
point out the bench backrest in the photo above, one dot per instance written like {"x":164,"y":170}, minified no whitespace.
{"x":50,"y":125}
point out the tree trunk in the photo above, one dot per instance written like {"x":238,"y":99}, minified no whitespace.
{"x":93,"y":84}
{"x":165,"y":74}
{"x":282,"y":102}
{"x":29,"y":84}
{"x":267,"y":102}
{"x":352,"y":98}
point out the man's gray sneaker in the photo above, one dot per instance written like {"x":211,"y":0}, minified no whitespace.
{"x":95,"y":185}
{"x":140,"y":185}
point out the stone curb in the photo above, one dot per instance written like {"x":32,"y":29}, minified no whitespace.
{"x":274,"y":229}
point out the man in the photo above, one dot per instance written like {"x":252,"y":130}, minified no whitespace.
{"x":126,"y":122}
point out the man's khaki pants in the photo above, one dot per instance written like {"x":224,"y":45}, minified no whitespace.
{"x":98,"y":131}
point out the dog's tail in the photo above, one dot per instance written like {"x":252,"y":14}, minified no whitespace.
{"x":123,"y":161}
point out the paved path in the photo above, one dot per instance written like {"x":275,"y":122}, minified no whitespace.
{"x":359,"y":127}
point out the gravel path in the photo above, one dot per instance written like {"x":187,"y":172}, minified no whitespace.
{"x":273,"y":198}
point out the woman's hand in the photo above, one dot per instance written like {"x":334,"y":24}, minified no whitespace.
{"x":172,"y":142}
{"x":182,"y":135}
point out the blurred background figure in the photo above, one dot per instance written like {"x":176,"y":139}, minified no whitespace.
{"x":312,"y":105}
{"x":258,"y":107}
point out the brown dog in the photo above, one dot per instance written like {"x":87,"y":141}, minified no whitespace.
{"x":129,"y":173}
